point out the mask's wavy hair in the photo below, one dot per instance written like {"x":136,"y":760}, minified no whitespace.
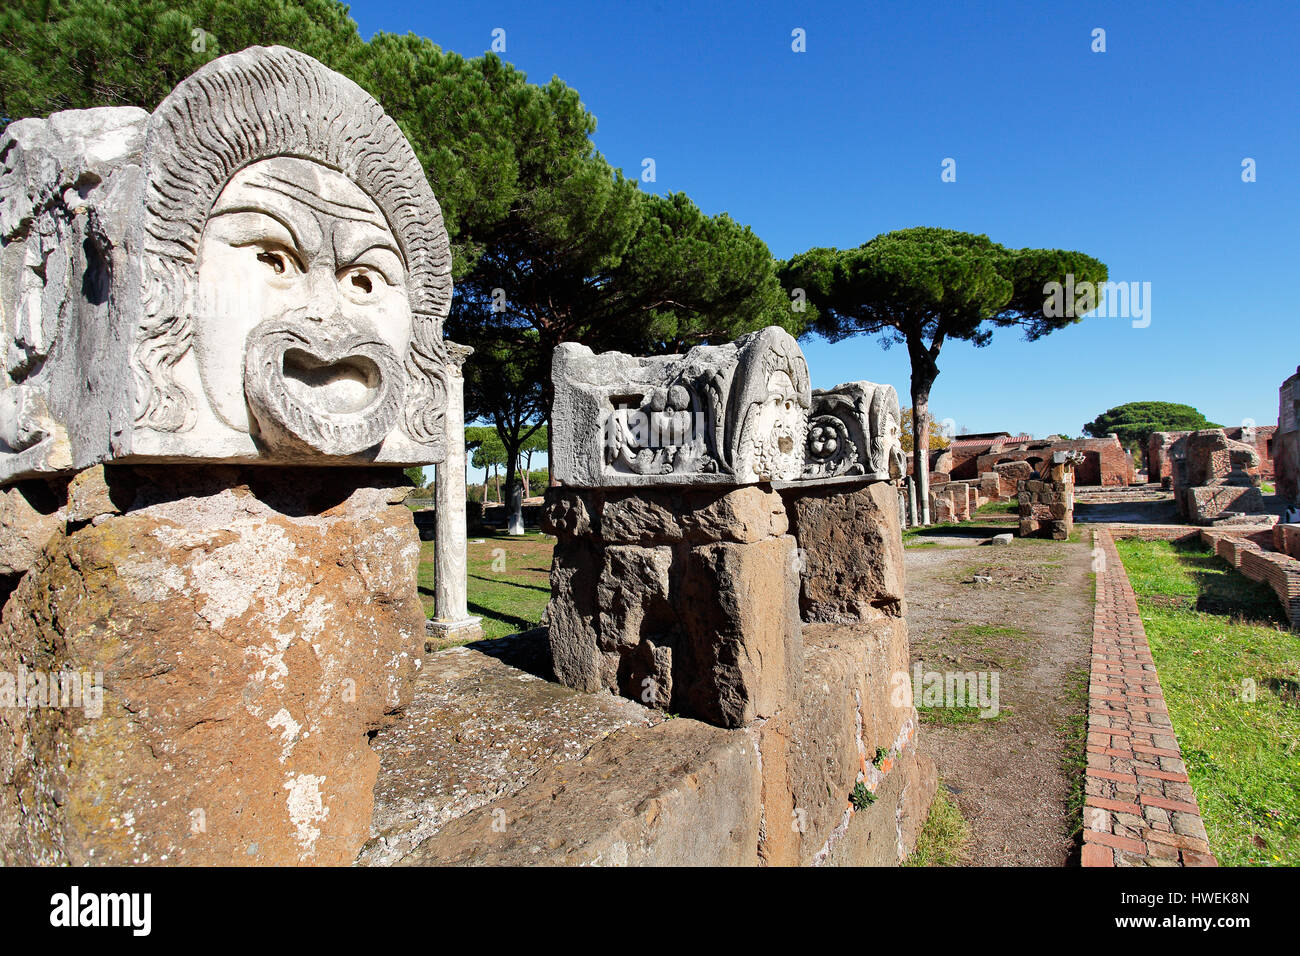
{"x":254,"y":105}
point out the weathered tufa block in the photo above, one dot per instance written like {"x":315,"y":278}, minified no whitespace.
{"x":236,"y":277}
{"x":248,"y":630}
{"x":720,"y":414}
{"x":684,"y":599}
{"x":851,"y":550}
{"x":562,"y":778}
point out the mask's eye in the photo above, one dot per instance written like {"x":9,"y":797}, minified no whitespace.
{"x":279,"y":262}
{"x":360,"y":282}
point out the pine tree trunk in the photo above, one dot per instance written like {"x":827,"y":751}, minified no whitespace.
{"x":924,"y":372}
{"x":921,"y":451}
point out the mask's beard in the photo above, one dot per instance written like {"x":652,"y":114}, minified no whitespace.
{"x":322,"y":388}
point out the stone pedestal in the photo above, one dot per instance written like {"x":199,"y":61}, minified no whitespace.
{"x":246,"y":629}
{"x":685,"y":599}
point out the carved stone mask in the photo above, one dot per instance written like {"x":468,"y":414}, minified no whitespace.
{"x":780,"y":427}
{"x":304,"y":312}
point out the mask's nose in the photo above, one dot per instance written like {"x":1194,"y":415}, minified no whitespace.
{"x":324,"y":303}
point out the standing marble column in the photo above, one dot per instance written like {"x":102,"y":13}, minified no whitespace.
{"x":451,"y":611}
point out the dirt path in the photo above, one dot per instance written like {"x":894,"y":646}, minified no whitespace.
{"x":1033,"y":626}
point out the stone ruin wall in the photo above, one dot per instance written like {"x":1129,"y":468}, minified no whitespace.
{"x":1260,"y":437}
{"x":1215,"y":478}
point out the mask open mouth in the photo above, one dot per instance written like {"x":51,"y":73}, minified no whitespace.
{"x":347,"y":386}
{"x":332,"y":390}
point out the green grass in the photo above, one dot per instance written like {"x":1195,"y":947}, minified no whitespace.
{"x":509,"y":580}
{"x":923,"y":530}
{"x":990,"y":630}
{"x":999,"y":508}
{"x":1212,"y":631}
{"x":1074,"y":755}
{"x":1076,"y":535}
{"x":944,"y":837}
{"x":958,"y":716}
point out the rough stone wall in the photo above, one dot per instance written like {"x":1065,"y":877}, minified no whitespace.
{"x":1215,"y":477}
{"x":1010,"y":474}
{"x":586,"y":778}
{"x":250,"y":628}
{"x":777,"y":614}
{"x":1046,"y":508}
{"x":683,"y":598}
{"x":1261,"y":438}
{"x":559,"y":777}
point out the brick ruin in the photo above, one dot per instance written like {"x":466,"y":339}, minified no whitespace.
{"x":1259,"y":437}
{"x":965,"y":451}
{"x":1214,"y":478}
{"x":1286,"y":442}
{"x":1104,"y":463}
{"x":990,"y":467}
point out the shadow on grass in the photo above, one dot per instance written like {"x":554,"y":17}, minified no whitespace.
{"x":511,"y":619}
{"x":1224,"y":591}
{"x":513,"y":584}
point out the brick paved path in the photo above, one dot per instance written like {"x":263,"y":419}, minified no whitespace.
{"x":1140,"y":809}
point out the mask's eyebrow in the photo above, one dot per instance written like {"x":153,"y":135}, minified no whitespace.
{"x":238,"y":209}
{"x":364,"y":241}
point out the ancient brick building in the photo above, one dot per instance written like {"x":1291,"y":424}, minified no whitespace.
{"x":967,"y":449}
{"x":1105,"y":462}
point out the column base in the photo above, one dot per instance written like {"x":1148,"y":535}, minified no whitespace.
{"x":466,"y":629}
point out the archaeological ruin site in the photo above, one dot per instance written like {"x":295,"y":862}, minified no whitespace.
{"x":283,"y":584}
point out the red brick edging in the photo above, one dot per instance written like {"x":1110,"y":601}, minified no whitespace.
{"x":1139,"y":808}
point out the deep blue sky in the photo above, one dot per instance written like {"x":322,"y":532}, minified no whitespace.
{"x":1132,"y":155}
